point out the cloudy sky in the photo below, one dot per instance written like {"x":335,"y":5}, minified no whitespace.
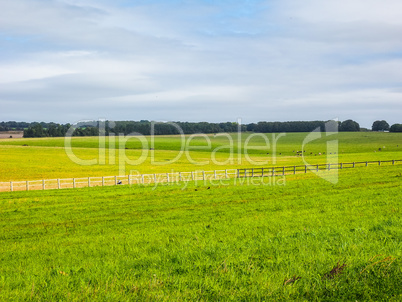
{"x":201,"y":60}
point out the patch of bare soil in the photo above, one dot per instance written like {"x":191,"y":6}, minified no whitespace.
{"x":11,"y":134}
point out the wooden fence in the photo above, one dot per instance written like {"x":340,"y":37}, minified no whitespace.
{"x":64,"y":183}
{"x":288,"y":170}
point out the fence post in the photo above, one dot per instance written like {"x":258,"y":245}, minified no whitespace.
{"x":74,"y":183}
{"x":294,"y":169}
{"x":142,"y":178}
{"x":283,"y":170}
{"x":43,"y":184}
{"x":329,"y":167}
{"x":341,"y":165}
{"x":305,"y":168}
{"x":27,"y":185}
{"x":353,"y":164}
{"x":252,"y":172}
{"x":203,"y":175}
{"x":58,"y":183}
{"x":89,"y":182}
{"x":129,"y":179}
{"x":167,"y":177}
{"x":273,"y":172}
{"x":179,"y":176}
{"x":317,"y":168}
{"x":379,"y":162}
{"x":393,"y":162}
{"x":238,"y":173}
{"x":226,"y":173}
{"x":115,"y":180}
{"x":11,"y":186}
{"x":155,"y":178}
{"x":103,"y":181}
{"x":366,"y":163}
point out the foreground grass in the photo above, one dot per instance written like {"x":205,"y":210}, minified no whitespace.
{"x":229,"y":242}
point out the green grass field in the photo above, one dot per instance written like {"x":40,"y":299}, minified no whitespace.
{"x":295,"y":238}
{"x":231,"y":242}
{"x":45,"y":158}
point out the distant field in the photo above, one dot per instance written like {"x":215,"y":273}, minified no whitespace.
{"x":307,"y":240}
{"x":349,"y":142}
{"x":45,"y":158}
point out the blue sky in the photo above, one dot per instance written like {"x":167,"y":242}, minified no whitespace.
{"x":70,"y":60}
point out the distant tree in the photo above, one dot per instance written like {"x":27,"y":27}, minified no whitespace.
{"x":28,"y":132}
{"x":251,"y":127}
{"x":396,"y":128}
{"x":52,"y":130}
{"x":35,"y":130}
{"x":380,"y":126}
{"x":349,"y":125}
{"x":38,"y":130}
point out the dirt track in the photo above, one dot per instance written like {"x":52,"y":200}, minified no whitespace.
{"x":14,"y":134}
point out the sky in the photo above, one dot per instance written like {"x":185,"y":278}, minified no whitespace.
{"x":188,"y":60}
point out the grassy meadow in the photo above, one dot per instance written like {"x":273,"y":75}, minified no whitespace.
{"x":297,"y":237}
{"x":302,"y":239}
{"x":46,"y":158}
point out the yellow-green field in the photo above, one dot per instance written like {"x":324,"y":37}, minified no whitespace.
{"x":46,"y":158}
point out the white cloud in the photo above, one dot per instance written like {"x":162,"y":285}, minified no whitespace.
{"x":278,"y":60}
{"x":333,"y":11}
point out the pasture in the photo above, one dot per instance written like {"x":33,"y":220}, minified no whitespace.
{"x":297,"y":237}
{"x":307,"y":240}
{"x":46,"y":158}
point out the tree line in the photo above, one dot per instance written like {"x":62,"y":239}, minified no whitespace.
{"x":8,"y":126}
{"x":144,"y":127}
{"x":58,"y":130}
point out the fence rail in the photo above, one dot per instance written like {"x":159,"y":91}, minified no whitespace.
{"x":68,"y":183}
{"x":64,"y":183}
{"x":288,"y":170}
